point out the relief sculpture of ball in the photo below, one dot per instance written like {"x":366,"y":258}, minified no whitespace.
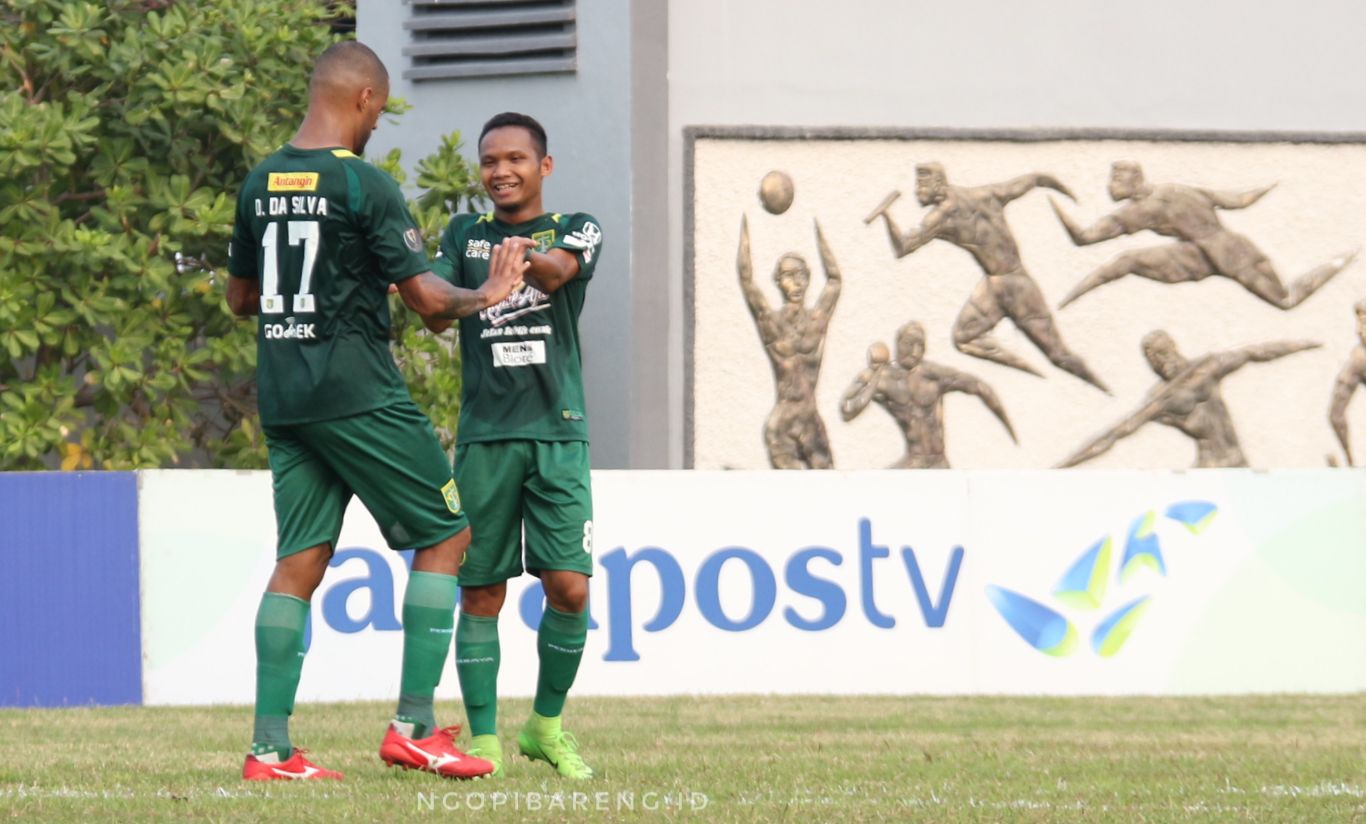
{"x":775,"y":192}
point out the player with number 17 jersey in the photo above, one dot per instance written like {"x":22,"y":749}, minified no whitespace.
{"x":324,"y":233}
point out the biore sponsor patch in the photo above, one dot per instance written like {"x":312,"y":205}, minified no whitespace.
{"x":519,"y":353}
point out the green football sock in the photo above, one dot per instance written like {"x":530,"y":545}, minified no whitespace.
{"x":280,"y":623}
{"x":476,"y":663}
{"x":559,"y":644}
{"x":428,"y":621}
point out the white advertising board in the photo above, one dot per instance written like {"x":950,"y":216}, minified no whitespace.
{"x":948,"y":582}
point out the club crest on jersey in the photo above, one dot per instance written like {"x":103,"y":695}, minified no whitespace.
{"x":413,"y":240}
{"x":544,"y":240}
{"x":586,"y":239}
{"x":293,"y":182}
{"x":452,"y":496}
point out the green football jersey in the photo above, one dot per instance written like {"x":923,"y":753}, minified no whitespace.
{"x":324,"y":233}
{"x":523,"y":373}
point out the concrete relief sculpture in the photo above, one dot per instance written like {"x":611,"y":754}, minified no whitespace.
{"x":1188,"y":398}
{"x":1352,"y":376}
{"x":1204,"y":246}
{"x":973,"y":218}
{"x":1026,"y":253}
{"x":793,"y":337}
{"x":912,"y":391}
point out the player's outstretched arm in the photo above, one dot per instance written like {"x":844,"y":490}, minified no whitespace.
{"x":963,"y":382}
{"x":1102,"y":443}
{"x":1104,"y":229}
{"x":825,"y":305}
{"x":1236,"y":200}
{"x":859,"y":394}
{"x":1019,"y":186}
{"x":904,"y":244}
{"x":1232,"y":361}
{"x":244,"y":297}
{"x":435,"y":299}
{"x":1353,"y":375}
{"x":1272,"y":351}
{"x":864,"y":386}
{"x":754,"y":298}
{"x":549,"y":270}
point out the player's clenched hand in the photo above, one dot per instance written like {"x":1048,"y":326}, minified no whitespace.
{"x":507,"y":264}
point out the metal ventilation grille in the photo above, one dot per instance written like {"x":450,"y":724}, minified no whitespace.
{"x":480,"y":38}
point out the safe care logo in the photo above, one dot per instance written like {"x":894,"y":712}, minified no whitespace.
{"x":1084,"y":585}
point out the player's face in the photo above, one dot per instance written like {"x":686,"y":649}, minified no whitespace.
{"x":792,"y":278}
{"x":929,"y":187}
{"x":1163,"y":358}
{"x":910,"y":349}
{"x":1123,"y":183}
{"x":511,"y":169}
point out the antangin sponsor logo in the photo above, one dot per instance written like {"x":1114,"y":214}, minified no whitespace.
{"x":293,"y":182}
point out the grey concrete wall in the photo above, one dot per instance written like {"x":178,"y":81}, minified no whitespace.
{"x":589,"y":118}
{"x":1168,"y":64}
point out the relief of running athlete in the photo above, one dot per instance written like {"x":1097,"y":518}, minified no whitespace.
{"x":1204,"y":246}
{"x":973,"y":218}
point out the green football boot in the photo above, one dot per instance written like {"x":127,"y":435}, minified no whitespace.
{"x":542,"y":739}
{"x":488,"y":748}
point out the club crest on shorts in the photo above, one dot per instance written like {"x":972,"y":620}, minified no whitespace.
{"x":452,"y":496}
{"x":413,"y":240}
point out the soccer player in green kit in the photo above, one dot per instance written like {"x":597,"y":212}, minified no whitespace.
{"x":522,"y":444}
{"x":319,"y":237}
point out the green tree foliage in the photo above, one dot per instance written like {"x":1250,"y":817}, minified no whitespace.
{"x":126,"y":128}
{"x":431,"y":364}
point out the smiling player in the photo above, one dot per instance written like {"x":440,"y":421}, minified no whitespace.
{"x":524,"y":435}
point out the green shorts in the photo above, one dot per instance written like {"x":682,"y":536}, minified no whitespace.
{"x":390,"y":457}
{"x":540,"y":487}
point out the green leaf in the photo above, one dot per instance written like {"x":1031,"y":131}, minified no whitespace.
{"x":150,"y":122}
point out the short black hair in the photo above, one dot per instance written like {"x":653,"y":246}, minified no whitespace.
{"x":524,"y":121}
{"x":352,"y":59}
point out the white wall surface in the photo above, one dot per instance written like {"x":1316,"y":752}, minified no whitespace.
{"x":587,"y":116}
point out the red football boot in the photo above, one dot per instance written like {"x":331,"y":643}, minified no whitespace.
{"x":436,"y":753}
{"x":296,"y":768}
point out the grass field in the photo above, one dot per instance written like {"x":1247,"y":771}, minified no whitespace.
{"x":750,"y":758}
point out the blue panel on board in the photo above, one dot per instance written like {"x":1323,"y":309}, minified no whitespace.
{"x":70,"y":630}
